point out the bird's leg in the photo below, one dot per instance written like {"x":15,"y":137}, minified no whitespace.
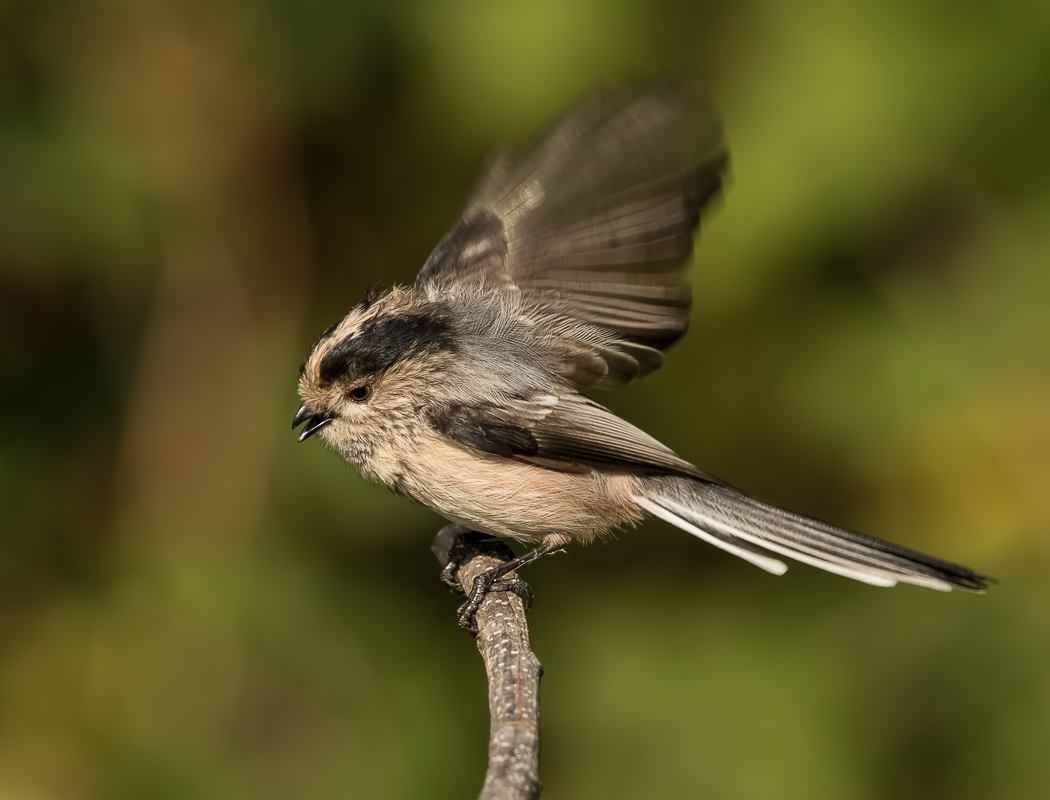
{"x":455,"y":545}
{"x":492,"y":580}
{"x":458,"y":544}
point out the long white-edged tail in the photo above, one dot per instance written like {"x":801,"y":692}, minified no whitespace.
{"x":758,"y":532}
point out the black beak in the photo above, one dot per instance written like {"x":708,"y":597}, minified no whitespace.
{"x":314,"y":422}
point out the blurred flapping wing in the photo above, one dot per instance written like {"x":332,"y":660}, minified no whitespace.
{"x":592,"y":227}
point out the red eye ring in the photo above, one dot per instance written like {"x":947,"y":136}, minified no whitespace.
{"x":359,"y":394}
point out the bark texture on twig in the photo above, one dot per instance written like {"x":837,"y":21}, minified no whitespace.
{"x":513,"y":676}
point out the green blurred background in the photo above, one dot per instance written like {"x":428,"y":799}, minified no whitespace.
{"x":193,"y":606}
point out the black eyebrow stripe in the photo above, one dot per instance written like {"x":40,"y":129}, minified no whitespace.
{"x":372,"y":296}
{"x":383,"y":342}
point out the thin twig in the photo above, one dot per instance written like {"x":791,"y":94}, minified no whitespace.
{"x":513,"y":674}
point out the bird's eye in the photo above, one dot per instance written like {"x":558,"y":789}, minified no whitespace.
{"x":359,"y":394}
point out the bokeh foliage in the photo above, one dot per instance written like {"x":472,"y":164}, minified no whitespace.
{"x":191,"y":606}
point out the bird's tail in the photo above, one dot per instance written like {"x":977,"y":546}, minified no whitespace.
{"x":757,"y":532}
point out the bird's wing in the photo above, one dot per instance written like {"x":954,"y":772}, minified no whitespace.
{"x":566,"y":432}
{"x":593,"y":226}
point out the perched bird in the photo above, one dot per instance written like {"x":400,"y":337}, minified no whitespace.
{"x":564,"y":270}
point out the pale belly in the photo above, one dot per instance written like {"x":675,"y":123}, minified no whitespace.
{"x":504,"y":497}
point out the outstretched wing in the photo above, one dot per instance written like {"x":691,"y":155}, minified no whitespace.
{"x":593,"y":226}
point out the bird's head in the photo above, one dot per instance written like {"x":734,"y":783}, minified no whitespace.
{"x":373,"y":370}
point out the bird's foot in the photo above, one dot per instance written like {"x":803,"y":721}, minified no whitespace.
{"x":485,"y":584}
{"x":455,"y":545}
{"x":459,"y":544}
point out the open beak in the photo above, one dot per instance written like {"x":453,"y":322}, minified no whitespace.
{"x":314,"y":422}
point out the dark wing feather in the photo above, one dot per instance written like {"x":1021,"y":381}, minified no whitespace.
{"x":593,"y":226}
{"x":567,"y":433}
{"x":486,"y":429}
